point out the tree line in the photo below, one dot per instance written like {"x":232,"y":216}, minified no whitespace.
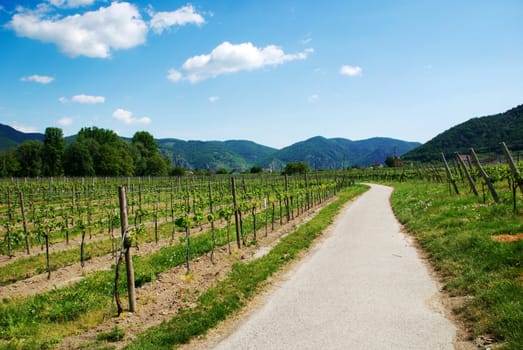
{"x":94,"y":152}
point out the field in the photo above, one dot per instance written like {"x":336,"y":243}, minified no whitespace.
{"x":185,"y":238}
{"x":194,"y":264}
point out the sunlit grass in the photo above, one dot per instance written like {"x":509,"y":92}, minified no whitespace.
{"x":456,"y":232}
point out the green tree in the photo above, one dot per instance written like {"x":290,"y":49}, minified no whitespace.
{"x":146,"y":156}
{"x":156,"y":165}
{"x":114,"y":161}
{"x":78,"y":161}
{"x":389,"y":161}
{"x":29,"y":156}
{"x":110,"y":154}
{"x":256,"y":169}
{"x":145,"y":142}
{"x":9,"y":165}
{"x":53,"y":152}
{"x":296,"y":168}
{"x":222,"y":171}
{"x":177,"y":171}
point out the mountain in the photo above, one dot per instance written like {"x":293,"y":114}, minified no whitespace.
{"x":233,"y":154}
{"x":318,"y":152}
{"x":322,"y":153}
{"x":484,"y":134}
{"x":10,"y":137}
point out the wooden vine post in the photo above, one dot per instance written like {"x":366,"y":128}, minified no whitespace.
{"x":126,"y":252}
{"x":484,"y":175}
{"x":467,"y":173}
{"x":236,"y":218}
{"x":24,"y":222}
{"x":8,"y":226}
{"x":210,"y":218}
{"x":515,"y":172}
{"x":449,"y":174}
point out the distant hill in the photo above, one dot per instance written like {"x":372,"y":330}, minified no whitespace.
{"x":483,"y":134}
{"x":234,"y":154}
{"x":318,"y":152}
{"x":10,"y":137}
{"x":322,"y":153}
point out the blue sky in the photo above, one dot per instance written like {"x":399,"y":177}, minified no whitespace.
{"x":273,"y":71}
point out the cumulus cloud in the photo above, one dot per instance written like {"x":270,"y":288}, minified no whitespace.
{"x":228,"y":58}
{"x":351,"y":71}
{"x":93,"y":34}
{"x":71,"y":3}
{"x":184,"y":15}
{"x":82,"y":98}
{"x":213,"y":99}
{"x":88,"y":99}
{"x":65,"y":121}
{"x":174,"y":75}
{"x":127,"y":117}
{"x":41,"y":79}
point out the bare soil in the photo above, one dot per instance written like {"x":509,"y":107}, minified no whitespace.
{"x":508,"y":238}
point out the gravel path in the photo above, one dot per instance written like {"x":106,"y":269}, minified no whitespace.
{"x":364,"y":287}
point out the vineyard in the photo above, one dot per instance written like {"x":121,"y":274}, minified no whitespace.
{"x":51,"y":225}
{"x":64,"y":242}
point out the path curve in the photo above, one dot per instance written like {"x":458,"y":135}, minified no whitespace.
{"x":364,"y":287}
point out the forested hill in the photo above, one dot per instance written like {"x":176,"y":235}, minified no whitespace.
{"x":322,"y":153}
{"x":10,"y":137}
{"x":232,"y":154}
{"x":318,"y":152}
{"x":483,"y":134}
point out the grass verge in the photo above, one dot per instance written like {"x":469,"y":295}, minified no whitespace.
{"x":242,"y":283}
{"x":456,"y":232}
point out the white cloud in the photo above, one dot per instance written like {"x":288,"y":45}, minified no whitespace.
{"x":87,"y":99}
{"x":71,"y":3}
{"x":42,"y":79}
{"x":351,"y":71}
{"x":93,"y":34}
{"x":184,"y":15}
{"x":62,"y":100}
{"x":229,"y":58}
{"x":213,"y":99}
{"x":127,"y":117}
{"x":174,"y":75}
{"x":65,"y":121}
{"x":313,"y":98}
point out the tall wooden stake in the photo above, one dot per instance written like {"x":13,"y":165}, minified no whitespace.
{"x":467,"y":173}
{"x":24,"y":221}
{"x":126,"y":240}
{"x":515,"y":172}
{"x":236,"y":219}
{"x":449,"y":174}
{"x":484,"y":175}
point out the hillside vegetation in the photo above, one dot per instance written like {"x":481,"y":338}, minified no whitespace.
{"x":318,"y":152}
{"x":483,"y":134}
{"x":336,"y":153}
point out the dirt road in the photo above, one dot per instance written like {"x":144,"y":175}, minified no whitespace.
{"x":364,"y":287}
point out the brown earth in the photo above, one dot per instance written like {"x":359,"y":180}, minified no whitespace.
{"x":508,"y":238}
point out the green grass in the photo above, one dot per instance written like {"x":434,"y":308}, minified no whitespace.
{"x":456,"y":233}
{"x":241,"y":284}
